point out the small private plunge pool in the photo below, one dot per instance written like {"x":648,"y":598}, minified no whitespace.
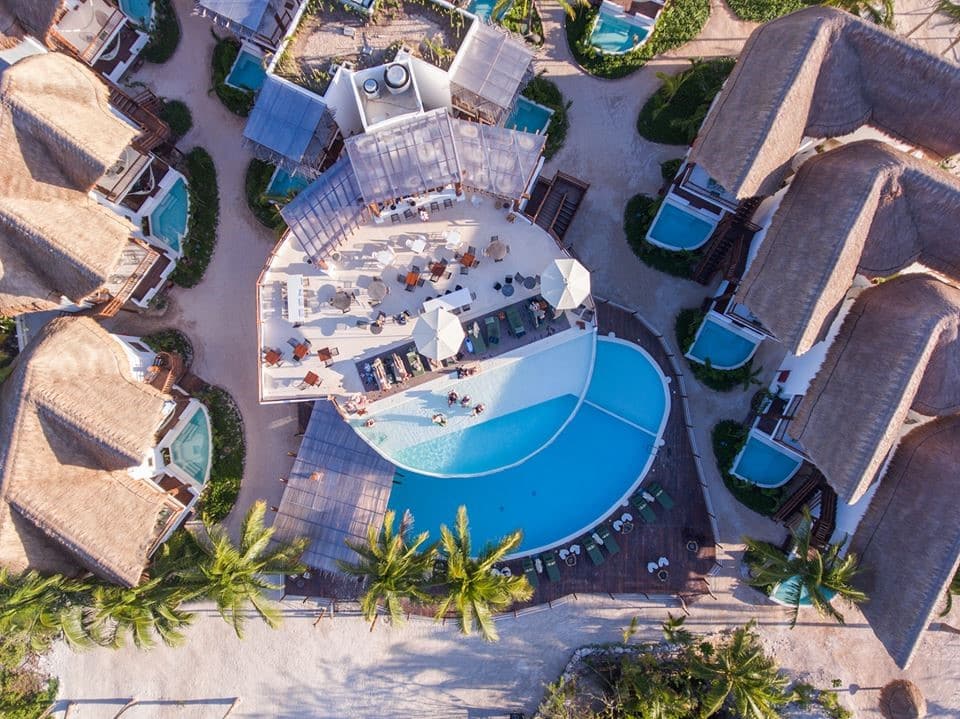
{"x":785,"y":593}
{"x":285,"y":185}
{"x":190,"y":450}
{"x":168,"y":222}
{"x":529,"y":116}
{"x":679,"y":228}
{"x":764,"y":463}
{"x":247,"y":72}
{"x":722,"y":343}
{"x":615,"y":33}
{"x":140,"y":11}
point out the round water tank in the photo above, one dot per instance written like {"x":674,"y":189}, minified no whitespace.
{"x":371,"y":88}
{"x":396,"y":77}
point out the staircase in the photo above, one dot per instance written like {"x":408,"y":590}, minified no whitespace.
{"x":126,"y":291}
{"x":729,"y":244}
{"x":558,"y":202}
{"x":143,"y":110}
{"x":804,"y":496}
{"x":827,"y":521}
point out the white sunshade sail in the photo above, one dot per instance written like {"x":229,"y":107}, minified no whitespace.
{"x":438,"y":334}
{"x":565,"y":284}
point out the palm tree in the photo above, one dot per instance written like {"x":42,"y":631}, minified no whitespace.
{"x":501,"y":7}
{"x":233,"y":575}
{"x":149,"y":610}
{"x":806,"y":568}
{"x":954,"y":588}
{"x":42,"y":609}
{"x":653,"y":691}
{"x":473,"y":590}
{"x":739,"y":673}
{"x":394,"y":569}
{"x":881,"y":15}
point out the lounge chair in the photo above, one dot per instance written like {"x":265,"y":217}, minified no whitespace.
{"x":516,"y":322}
{"x":478,"y":341}
{"x":608,"y":541}
{"x":646,"y":513}
{"x":530,"y":573}
{"x":550,"y":563}
{"x":493,"y":330}
{"x":595,"y":556}
{"x":660,"y":494}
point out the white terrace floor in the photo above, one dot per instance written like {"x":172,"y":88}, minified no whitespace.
{"x":476,"y":219}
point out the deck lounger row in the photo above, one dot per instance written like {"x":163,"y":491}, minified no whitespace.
{"x":660,"y":494}
{"x":646,"y":512}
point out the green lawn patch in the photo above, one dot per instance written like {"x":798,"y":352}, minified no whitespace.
{"x":260,"y":203}
{"x":546,"y":93}
{"x":764,"y":10}
{"x":637,"y":218}
{"x":728,"y":437}
{"x":201,"y":237}
{"x":229,"y":453}
{"x":721,"y":380}
{"x":225,"y":52}
{"x":674,"y":113}
{"x":177,"y":115}
{"x":164,"y":35}
{"x":680,"y":21}
{"x":170,"y":340}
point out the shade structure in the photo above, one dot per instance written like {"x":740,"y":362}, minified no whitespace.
{"x":565,"y":284}
{"x":497,"y":250}
{"x":438,"y":334}
{"x":342,"y":301}
{"x":901,"y":699}
{"x":377,"y":290}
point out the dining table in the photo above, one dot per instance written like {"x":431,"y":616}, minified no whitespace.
{"x":272,"y":357}
{"x":312,"y":379}
{"x":301,"y":351}
{"x":468,"y":260}
{"x":413,"y":276}
{"x":324,"y":354}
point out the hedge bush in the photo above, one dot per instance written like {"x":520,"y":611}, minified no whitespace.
{"x":669,"y":169}
{"x":764,"y":10}
{"x":170,"y":340}
{"x":177,"y":115}
{"x":201,"y":237}
{"x":225,"y":52}
{"x":637,"y":217}
{"x":255,"y":185}
{"x":229,"y":454}
{"x":546,"y":92}
{"x":728,"y":438}
{"x":674,"y":113}
{"x":9,"y":348}
{"x":680,"y":21}
{"x":164,"y":35}
{"x":721,"y":380}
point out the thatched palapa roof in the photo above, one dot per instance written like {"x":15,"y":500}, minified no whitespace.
{"x":864,"y":208}
{"x":909,"y":540}
{"x":57,"y":136}
{"x":897,"y":349}
{"x":822,"y":72}
{"x":73,"y":420}
{"x":34,"y":17}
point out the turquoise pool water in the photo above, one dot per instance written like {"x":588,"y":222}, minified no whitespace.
{"x":567,"y":486}
{"x":529,"y":116}
{"x":283,"y":184}
{"x":781,"y":592}
{"x":677,"y":229}
{"x":483,"y":9}
{"x":722,"y":346}
{"x":190,"y":451}
{"x":137,"y":10}
{"x":765,"y":465}
{"x":169,"y":221}
{"x":615,"y":35}
{"x":247,"y":72}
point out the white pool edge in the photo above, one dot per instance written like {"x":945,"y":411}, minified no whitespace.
{"x":717,"y":318}
{"x":688,"y":209}
{"x":761,"y":437}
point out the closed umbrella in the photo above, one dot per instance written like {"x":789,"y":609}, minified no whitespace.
{"x":438,"y":334}
{"x":497,"y":250}
{"x":377,"y":290}
{"x":342,"y":301}
{"x":565,"y":284}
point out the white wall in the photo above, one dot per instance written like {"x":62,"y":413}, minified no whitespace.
{"x":433,"y":84}
{"x":342,"y":102}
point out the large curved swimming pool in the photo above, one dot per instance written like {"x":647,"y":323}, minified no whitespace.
{"x":589,"y":468}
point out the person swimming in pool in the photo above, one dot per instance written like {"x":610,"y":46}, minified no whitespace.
{"x":439,"y":419}
{"x":465,"y":401}
{"x":452,"y":398}
{"x":477,"y":410}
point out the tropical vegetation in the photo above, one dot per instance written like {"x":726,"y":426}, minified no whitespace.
{"x":263,"y":206}
{"x":170,"y":340}
{"x":545,"y":92}
{"x":229,"y":454}
{"x":164,"y":35}
{"x":674,"y":113}
{"x":225,"y":52}
{"x":177,"y":115}
{"x":679,"y":22}
{"x":728,"y":437}
{"x":721,"y":380}
{"x":201,"y":238}
{"x":638,"y":215}
{"x":9,"y":347}
{"x":880,"y":12}
{"x":952,"y":590}
{"x":805,"y":571}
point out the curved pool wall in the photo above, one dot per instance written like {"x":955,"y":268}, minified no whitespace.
{"x":726,"y":345}
{"x":511,"y":387}
{"x":680,"y":227}
{"x":593,"y":465}
{"x":614,"y":32}
{"x":764,"y":463}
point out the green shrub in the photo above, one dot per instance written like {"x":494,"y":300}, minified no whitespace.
{"x":25,"y":691}
{"x":670,"y":168}
{"x":229,"y":453}
{"x":546,"y":92}
{"x":239,"y":102}
{"x":201,"y":237}
{"x":515,"y":20}
{"x":721,"y":380}
{"x":680,"y":21}
{"x":164,"y":35}
{"x":176,"y":114}
{"x":674,"y":113}
{"x":9,"y":348}
{"x":637,"y":218}
{"x":728,"y":437}
{"x":170,"y":340}
{"x":764,"y":10}
{"x":255,"y":184}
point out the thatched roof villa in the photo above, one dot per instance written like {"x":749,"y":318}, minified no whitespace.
{"x":80,"y":481}
{"x":58,"y":135}
{"x":822,"y":72}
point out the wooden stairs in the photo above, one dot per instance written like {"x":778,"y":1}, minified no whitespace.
{"x":729,"y":244}
{"x":115,"y":303}
{"x":554,"y":203}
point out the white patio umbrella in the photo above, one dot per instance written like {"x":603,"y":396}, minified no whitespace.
{"x":438,"y":334}
{"x":565,"y":284}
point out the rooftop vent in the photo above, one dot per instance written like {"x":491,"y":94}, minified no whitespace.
{"x":396,"y":77}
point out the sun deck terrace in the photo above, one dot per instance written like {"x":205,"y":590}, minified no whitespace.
{"x":319,"y":326}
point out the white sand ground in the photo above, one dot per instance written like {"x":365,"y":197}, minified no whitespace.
{"x":338,"y":669}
